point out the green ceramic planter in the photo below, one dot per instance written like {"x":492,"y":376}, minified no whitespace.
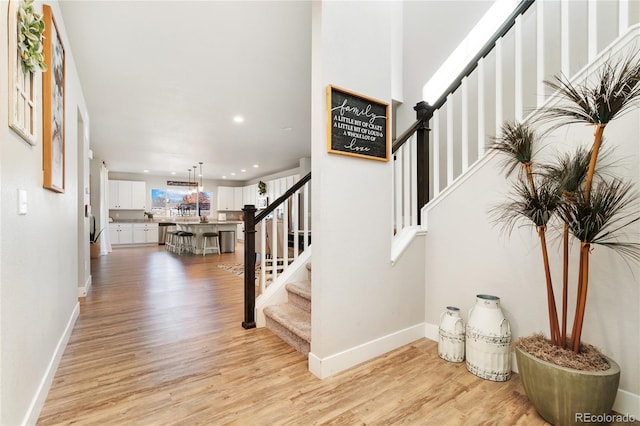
{"x":563,"y":396}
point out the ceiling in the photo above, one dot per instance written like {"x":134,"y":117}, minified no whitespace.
{"x":164,"y":80}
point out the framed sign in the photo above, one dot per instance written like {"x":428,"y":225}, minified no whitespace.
{"x":357,"y":125}
{"x":53,"y":94}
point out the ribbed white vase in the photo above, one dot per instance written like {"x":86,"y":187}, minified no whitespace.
{"x":488,"y":340}
{"x":451,"y":340}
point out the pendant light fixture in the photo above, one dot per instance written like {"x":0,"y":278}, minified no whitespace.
{"x":195,"y":181}
{"x":201,"y":186}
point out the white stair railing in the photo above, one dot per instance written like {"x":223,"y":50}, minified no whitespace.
{"x":289,"y":224}
{"x":268,"y":235}
{"x":507,"y":83}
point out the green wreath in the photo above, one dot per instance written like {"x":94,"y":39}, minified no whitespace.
{"x":30,"y":29}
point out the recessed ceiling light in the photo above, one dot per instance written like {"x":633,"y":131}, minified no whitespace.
{"x":287,"y":129}
{"x":224,"y":177}
{"x":146,"y":171}
{"x":173,"y":173}
{"x":255,"y":166}
{"x":238,"y":119}
{"x":243,"y":170}
{"x":233,"y":174}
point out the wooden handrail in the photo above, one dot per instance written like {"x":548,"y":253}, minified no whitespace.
{"x":424,"y":112}
{"x":486,"y":49}
{"x":400,"y":140}
{"x":264,"y":213}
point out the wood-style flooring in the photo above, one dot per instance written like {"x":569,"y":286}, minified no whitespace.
{"x":159,"y":342}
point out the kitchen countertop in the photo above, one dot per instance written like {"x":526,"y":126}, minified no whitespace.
{"x":180,"y":221}
{"x":212,"y":222}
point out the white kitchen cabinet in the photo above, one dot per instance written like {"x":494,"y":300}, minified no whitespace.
{"x":237,"y":198}
{"x":121,"y":233}
{"x":138,"y":195}
{"x":250,"y":194}
{"x":145,"y":233}
{"x":127,"y":195}
{"x":119,"y":194}
{"x":226,"y":197}
{"x":277,"y":187}
{"x":270,"y":190}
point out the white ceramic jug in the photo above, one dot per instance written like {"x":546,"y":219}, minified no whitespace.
{"x":451,"y":340}
{"x":488,"y":340}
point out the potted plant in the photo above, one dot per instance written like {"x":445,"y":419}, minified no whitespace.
{"x":262,"y":188}
{"x":94,"y":238}
{"x":592,"y":209}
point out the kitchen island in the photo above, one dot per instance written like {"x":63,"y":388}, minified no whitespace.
{"x":198,"y":228}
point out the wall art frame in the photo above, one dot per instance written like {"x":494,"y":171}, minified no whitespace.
{"x":23,"y":93}
{"x":53,"y":105}
{"x":357,"y":125}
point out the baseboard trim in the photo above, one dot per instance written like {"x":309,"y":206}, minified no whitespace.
{"x":31,"y":417}
{"x":83,"y":291}
{"x":431,"y":331}
{"x":627,"y":403}
{"x":334,"y":364}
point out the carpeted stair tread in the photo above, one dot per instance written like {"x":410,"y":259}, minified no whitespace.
{"x":299,"y":294}
{"x":300,"y":288}
{"x":291,"y":321}
{"x":291,"y":317}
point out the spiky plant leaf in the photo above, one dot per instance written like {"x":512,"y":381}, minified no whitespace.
{"x":600,"y":219}
{"x":570,"y":171}
{"x":517,"y":143}
{"x":614,"y":90}
{"x":526,"y":207}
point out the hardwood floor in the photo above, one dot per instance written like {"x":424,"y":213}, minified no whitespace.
{"x":159,"y":342}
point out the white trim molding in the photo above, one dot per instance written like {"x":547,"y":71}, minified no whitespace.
{"x":31,"y":417}
{"x":336,"y":363}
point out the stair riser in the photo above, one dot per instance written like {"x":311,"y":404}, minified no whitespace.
{"x":288,"y":336}
{"x":299,"y":301}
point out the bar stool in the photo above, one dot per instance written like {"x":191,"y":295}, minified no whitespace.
{"x":170,"y":241}
{"x":216,"y":242}
{"x":185,"y":241}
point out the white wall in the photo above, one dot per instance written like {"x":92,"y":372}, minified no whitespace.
{"x":362,"y":305}
{"x":422,"y":56}
{"x":466,"y":255}
{"x":39,"y":257}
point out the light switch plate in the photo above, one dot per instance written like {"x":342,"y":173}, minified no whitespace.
{"x":22,"y":201}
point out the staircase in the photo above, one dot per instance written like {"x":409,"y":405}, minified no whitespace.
{"x":291,"y":321}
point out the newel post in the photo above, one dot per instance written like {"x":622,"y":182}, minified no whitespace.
{"x":424,"y":112}
{"x":249,"y":266}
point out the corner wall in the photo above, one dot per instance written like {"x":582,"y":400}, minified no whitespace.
{"x":39,"y":254}
{"x":362,"y":305}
